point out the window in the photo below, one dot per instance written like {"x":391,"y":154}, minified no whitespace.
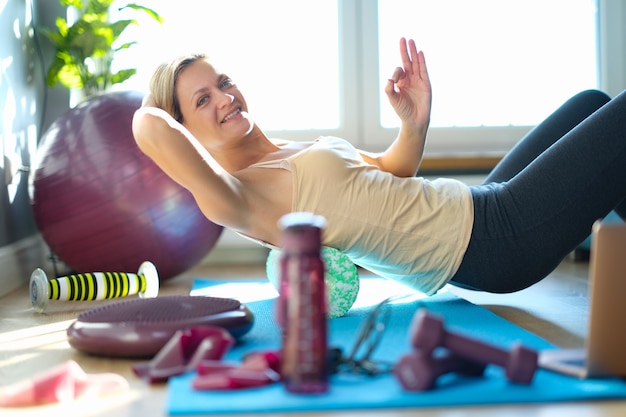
{"x":282,"y":54}
{"x":494,"y":62}
{"x":318,"y":67}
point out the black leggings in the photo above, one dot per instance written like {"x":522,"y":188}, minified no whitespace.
{"x":540,"y":202}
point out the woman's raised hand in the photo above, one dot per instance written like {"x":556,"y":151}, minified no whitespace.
{"x":409,"y":89}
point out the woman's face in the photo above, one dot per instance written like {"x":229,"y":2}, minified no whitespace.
{"x":212,"y":106}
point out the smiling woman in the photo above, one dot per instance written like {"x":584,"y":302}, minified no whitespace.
{"x":211,"y":100}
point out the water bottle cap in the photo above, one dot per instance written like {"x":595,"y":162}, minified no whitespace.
{"x":300,"y":218}
{"x":302,"y":232}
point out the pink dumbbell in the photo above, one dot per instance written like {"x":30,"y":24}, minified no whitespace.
{"x":418,"y":370}
{"x":428,"y":333}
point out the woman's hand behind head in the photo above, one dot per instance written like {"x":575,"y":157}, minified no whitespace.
{"x":148,"y":101}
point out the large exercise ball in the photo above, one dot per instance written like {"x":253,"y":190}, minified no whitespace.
{"x":102,"y":205}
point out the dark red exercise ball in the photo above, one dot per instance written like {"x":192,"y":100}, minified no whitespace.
{"x":102,"y":205}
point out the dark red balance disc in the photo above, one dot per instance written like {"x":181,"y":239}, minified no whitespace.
{"x":141,"y":327}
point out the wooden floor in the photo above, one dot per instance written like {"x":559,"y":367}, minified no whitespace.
{"x":555,"y":309}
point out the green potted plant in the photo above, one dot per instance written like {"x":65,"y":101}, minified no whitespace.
{"x":86,"y":48}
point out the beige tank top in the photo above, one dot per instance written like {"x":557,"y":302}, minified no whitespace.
{"x":411,"y":230}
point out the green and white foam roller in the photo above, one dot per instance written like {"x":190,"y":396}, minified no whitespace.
{"x":341,"y":277}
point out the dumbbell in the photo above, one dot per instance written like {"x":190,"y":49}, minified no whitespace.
{"x":419,"y":370}
{"x":428,"y":333}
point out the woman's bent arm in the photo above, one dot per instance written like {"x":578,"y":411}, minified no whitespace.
{"x":182,"y":158}
{"x":409,"y":93}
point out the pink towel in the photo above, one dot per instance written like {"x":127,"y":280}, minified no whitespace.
{"x":63,"y":383}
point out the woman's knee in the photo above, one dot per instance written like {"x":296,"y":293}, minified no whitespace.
{"x":593,"y":99}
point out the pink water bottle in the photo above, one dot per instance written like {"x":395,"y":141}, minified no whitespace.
{"x":302,"y":304}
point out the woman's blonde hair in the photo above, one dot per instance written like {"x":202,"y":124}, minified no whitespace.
{"x":163,"y":83}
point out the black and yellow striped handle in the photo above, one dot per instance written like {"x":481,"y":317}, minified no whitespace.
{"x":93,"y":286}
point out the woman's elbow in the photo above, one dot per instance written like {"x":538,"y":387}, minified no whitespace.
{"x":401,"y":170}
{"x":146,"y":126}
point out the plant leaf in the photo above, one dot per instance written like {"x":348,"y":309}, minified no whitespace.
{"x":98,"y":7}
{"x":74,"y":3}
{"x":103,"y":40}
{"x":125,"y":46}
{"x":122,"y":75}
{"x":147,"y":10}
{"x":120,"y":26}
{"x":54,"y":37}
{"x":62,"y":26}
{"x":70,"y":77}
{"x":52,"y":77}
{"x":81,"y":40}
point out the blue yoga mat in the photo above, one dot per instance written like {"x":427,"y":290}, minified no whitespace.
{"x":350,"y":392}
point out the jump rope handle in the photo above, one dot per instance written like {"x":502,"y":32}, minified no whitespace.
{"x":93,"y":286}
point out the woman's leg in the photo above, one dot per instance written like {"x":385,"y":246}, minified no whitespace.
{"x":544,"y":135}
{"x":564,"y":119}
{"x":525,"y":226}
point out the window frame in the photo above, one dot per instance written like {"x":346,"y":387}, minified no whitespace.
{"x":360,"y":92}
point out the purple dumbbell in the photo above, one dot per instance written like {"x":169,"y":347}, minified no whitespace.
{"x":418,"y":370}
{"x":428,"y":333}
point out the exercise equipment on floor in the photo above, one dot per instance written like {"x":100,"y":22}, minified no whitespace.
{"x":93,"y":286}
